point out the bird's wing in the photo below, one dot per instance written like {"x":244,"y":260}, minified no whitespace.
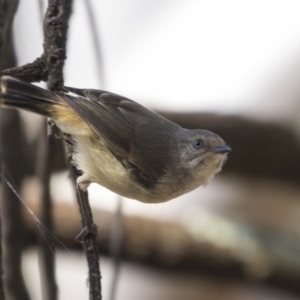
{"x":131,"y":132}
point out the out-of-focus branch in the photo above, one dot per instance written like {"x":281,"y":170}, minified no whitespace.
{"x":13,"y":157}
{"x":14,"y":231}
{"x":219,"y":244}
{"x":47,"y":263}
{"x":96,"y":42}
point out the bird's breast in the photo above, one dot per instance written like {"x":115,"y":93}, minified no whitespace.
{"x":95,"y":160}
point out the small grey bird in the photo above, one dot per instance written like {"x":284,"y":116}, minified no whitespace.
{"x":122,"y":145}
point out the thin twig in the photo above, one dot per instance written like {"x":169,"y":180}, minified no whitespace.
{"x":41,"y":10}
{"x":89,"y":239}
{"x":117,"y":230}
{"x":90,"y":245}
{"x":97,"y":43}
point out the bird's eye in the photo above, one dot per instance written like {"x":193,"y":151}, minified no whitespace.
{"x":198,"y":143}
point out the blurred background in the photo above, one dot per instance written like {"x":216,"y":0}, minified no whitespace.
{"x":232,"y":67}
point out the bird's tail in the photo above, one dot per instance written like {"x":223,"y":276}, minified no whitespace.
{"x":18,"y":94}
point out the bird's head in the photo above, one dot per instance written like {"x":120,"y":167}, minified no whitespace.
{"x":202,"y":153}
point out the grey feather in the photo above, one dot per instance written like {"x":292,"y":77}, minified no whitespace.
{"x":127,"y":128}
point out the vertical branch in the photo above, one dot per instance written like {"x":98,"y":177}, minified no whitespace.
{"x":13,"y":157}
{"x":96,"y":42}
{"x":55,"y":36}
{"x":12,"y":141}
{"x":117,"y":230}
{"x":88,"y":236}
{"x":46,"y":254}
{"x":2,"y":37}
{"x":90,"y":244}
{"x":55,"y":39}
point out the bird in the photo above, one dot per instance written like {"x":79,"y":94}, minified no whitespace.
{"x":122,"y":145}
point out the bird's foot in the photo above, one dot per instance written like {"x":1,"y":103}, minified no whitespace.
{"x":53,"y":131}
{"x":83,"y":182}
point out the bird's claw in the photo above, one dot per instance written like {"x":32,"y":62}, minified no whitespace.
{"x":83,"y":182}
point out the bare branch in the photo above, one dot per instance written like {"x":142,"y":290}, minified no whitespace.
{"x":88,"y":235}
{"x":55,"y":39}
{"x":13,"y":157}
{"x":32,"y":72}
{"x":55,"y":36}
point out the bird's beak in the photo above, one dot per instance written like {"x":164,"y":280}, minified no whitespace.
{"x":221,"y":149}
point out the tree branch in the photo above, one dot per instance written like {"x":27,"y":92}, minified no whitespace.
{"x":88,"y":235}
{"x":32,"y":72}
{"x":55,"y":39}
{"x":13,"y":157}
{"x":55,"y":36}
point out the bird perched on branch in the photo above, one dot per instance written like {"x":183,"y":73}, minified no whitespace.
{"x":122,"y":145}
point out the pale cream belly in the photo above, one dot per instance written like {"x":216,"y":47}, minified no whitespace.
{"x":96,"y":161}
{"x":98,"y":165}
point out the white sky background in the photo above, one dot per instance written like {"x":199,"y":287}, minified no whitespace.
{"x":217,"y":55}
